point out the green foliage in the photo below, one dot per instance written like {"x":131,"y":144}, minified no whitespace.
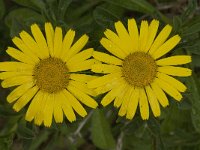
{"x":101,"y":131}
{"x":178,"y":128}
{"x":34,"y":4}
{"x":22,"y":18}
{"x":195,"y":99}
{"x":106,"y":14}
{"x":135,"y":5}
{"x":2,"y":8}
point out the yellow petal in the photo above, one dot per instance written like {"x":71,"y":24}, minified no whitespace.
{"x":166,"y":47}
{"x":50,"y":37}
{"x":117,"y":41}
{"x":76,"y":47}
{"x":169,"y":89}
{"x":109,"y":86}
{"x":81,"y":96}
{"x":126,"y":99}
{"x":174,"y":60}
{"x":39,"y":117}
{"x":15,"y":66}
{"x":110,"y":96}
{"x":153,"y":28}
{"x":100,"y":81}
{"x":124,"y":37}
{"x":68,"y":39}
{"x":175,"y":71}
{"x":18,"y":55}
{"x":103,"y":68}
{"x":144,"y":29}
{"x":162,"y":98}
{"x":75,"y":104}
{"x":143,"y":103}
{"x":67,"y":108}
{"x":107,"y":58}
{"x":133,"y":103}
{"x":19,"y":91}
{"x":67,"y":42}
{"x":119,"y":98}
{"x":82,"y":77}
{"x":112,"y":48}
{"x":24,"y":48}
{"x":58,"y":42}
{"x":30,"y":45}
{"x":57,"y":110}
{"x":155,"y":107}
{"x":172,"y":81}
{"x":80,"y":57}
{"x":34,"y":107}
{"x":24,"y":99}
{"x":82,"y":87}
{"x":16,"y":81}
{"x":39,"y":38}
{"x":48,"y":110}
{"x":133,"y":32}
{"x":5,"y":75}
{"x":84,"y":65}
{"x":161,"y":38}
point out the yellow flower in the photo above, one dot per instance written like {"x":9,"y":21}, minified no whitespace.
{"x":47,"y":75}
{"x":135,"y":72}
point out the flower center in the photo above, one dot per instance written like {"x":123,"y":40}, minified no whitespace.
{"x":139,"y":69}
{"x":51,"y":75}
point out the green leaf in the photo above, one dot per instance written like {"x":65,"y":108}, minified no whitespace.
{"x":40,"y":138}
{"x":21,"y":19}
{"x":177,"y":23}
{"x":190,"y":30}
{"x":55,"y":11}
{"x":11,"y":126}
{"x":23,"y":131}
{"x":174,"y":119}
{"x":141,"y":130}
{"x":181,"y":138}
{"x":195,"y":60}
{"x":106,"y":14}
{"x":192,"y":45}
{"x":62,"y":7}
{"x":195,"y":98}
{"x":23,"y":15}
{"x":154,"y":129}
{"x":2,"y":8}
{"x":101,"y":132}
{"x":81,"y":8}
{"x":154,"y":126}
{"x":16,"y":28}
{"x":137,"y":126}
{"x":34,"y":4}
{"x":136,"y":136}
{"x":6,"y":111}
{"x":142,"y":6}
{"x":136,"y":5}
{"x":6,"y":142}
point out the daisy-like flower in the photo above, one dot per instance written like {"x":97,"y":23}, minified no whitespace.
{"x":135,"y":73}
{"x":47,"y":75}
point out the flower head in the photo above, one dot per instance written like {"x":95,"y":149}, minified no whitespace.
{"x":47,"y":75}
{"x":135,"y":73}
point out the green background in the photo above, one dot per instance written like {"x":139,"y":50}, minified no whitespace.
{"x":178,"y":128}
